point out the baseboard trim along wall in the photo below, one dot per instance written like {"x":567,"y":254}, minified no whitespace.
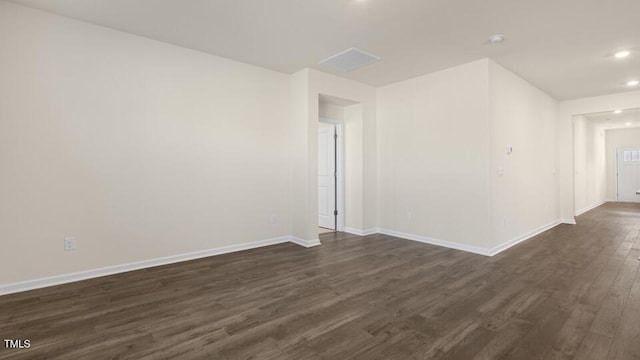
{"x":116,"y":269}
{"x":305,"y":243}
{"x":360,"y":232}
{"x":468,"y":248}
{"x":434,"y":241}
{"x":589,"y":208}
{"x":111,"y":270}
{"x":568,"y":221}
{"x":526,"y":236}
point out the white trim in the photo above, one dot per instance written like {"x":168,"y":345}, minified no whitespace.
{"x":353,"y":231}
{"x":526,"y":236}
{"x":116,"y":269}
{"x":568,"y":221}
{"x":305,"y":243}
{"x":111,"y":270}
{"x":360,"y":232}
{"x":437,"y":242}
{"x":589,"y":208}
{"x":469,"y":248}
{"x":369,"y":232}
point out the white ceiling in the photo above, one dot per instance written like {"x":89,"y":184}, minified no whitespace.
{"x":563,"y":47}
{"x":627,"y":119}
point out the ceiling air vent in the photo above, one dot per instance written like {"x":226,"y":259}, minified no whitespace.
{"x":349,"y":60}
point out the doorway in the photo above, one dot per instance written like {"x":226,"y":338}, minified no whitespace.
{"x":606,"y":158}
{"x":339,"y":159}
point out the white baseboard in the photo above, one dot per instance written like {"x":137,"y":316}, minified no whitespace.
{"x":469,"y":248}
{"x":526,"y":236}
{"x":105,"y":271}
{"x":433,"y":241}
{"x":360,"y":232}
{"x":116,"y":269}
{"x":568,"y":221}
{"x":353,"y":231}
{"x":305,"y":243}
{"x":589,"y":208}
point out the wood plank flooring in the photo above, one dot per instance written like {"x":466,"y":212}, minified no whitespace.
{"x":570,"y":293}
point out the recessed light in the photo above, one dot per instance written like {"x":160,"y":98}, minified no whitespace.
{"x":628,"y":124}
{"x":633,"y":83}
{"x":622,"y":54}
{"x":618,"y":112}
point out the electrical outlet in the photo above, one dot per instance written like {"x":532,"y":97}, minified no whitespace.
{"x":69,"y":244}
{"x":273,"y":219}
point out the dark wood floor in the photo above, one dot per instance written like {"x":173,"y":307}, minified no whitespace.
{"x":570,"y":293}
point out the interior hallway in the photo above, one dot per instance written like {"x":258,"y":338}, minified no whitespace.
{"x":572,"y":292}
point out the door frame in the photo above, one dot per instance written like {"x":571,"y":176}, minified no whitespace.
{"x":618,"y":165}
{"x":339,"y":171}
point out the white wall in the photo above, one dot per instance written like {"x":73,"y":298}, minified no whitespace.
{"x":598,"y":186}
{"x":524,"y":193}
{"x":137,"y":148}
{"x":433,"y":138}
{"x":304,"y":211}
{"x":580,"y":148}
{"x":354,"y":176}
{"x":444,"y":170}
{"x":331,"y":111}
{"x":616,"y":138}
{"x":589,"y":164}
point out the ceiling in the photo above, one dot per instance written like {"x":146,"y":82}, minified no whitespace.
{"x":609,"y":120}
{"x":563,"y":47}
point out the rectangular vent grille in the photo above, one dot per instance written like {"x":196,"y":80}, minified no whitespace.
{"x":349,"y":60}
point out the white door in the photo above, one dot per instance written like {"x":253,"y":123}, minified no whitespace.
{"x":628,"y":174}
{"x":326,"y":177}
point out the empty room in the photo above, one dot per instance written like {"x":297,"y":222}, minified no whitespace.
{"x":335,"y":179}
